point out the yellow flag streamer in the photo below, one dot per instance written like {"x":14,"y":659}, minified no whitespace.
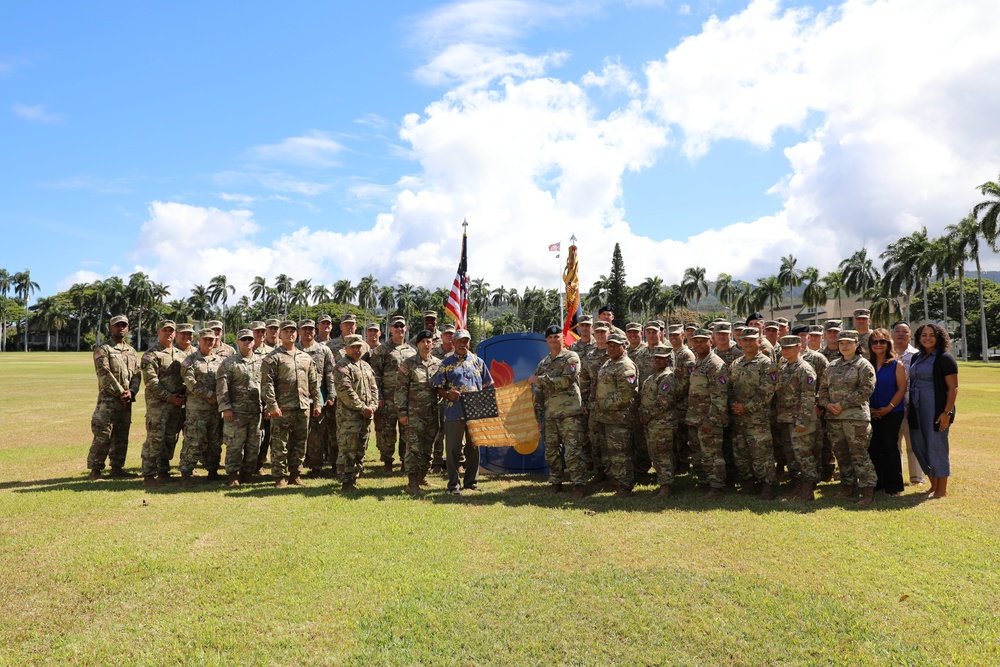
{"x":515,"y":427}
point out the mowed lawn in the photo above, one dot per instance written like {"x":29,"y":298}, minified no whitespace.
{"x":105,"y":574}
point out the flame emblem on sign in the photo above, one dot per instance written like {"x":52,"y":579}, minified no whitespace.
{"x":502,"y":372}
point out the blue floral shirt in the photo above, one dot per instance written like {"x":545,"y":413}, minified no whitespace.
{"x":466,"y":374}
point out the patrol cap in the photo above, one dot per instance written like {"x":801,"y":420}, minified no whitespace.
{"x":373,"y":325}
{"x":770,"y":324}
{"x":185,"y":327}
{"x":782,"y":320}
{"x":118,"y":319}
{"x":848,"y":334}
{"x":723,"y":327}
{"x":749,"y":332}
{"x":287,"y":324}
{"x":553,"y":329}
{"x":214,"y":324}
{"x":676,"y":329}
{"x":244,"y":334}
{"x":271,"y":323}
{"x":814,"y":329}
{"x":430,"y":314}
{"x":617,"y":339}
{"x":701,"y":333}
{"x":397,"y":319}
{"x":425,"y":334}
{"x":348,"y":318}
{"x":462,"y":333}
{"x":690,"y":325}
{"x":325,"y":318}
{"x":862,"y":312}
{"x":653,"y":324}
{"x":662,"y":351}
{"x":799,"y":329}
{"x":754,"y":316}
{"x":833,"y":325}
{"x":633,"y":326}
{"x":206,"y":333}
{"x":585,"y":319}
{"x":166,"y":324}
{"x":601,"y":326}
{"x":306,"y":323}
{"x":448,"y":329}
{"x":352,"y":340}
{"x":257,"y":325}
{"x":605,"y":309}
{"x":790,"y":341}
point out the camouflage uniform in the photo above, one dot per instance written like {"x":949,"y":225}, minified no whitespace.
{"x":357,"y":389}
{"x":223,"y":350}
{"x":437,"y":452}
{"x":237,"y":387}
{"x":658,"y":400}
{"x":796,"y":401}
{"x":850,"y":383}
{"x":117,"y":368}
{"x":202,"y":422}
{"x":682,"y":361}
{"x":588,"y":394}
{"x":730,"y":355}
{"x":707,"y":414}
{"x":417,"y":400}
{"x":318,"y":445}
{"x":767,"y":348}
{"x":262,"y":351}
{"x":752,"y":383}
{"x":583,"y":348}
{"x":289,"y":381}
{"x":161,"y":373}
{"x":559,"y":407}
{"x":386,"y":360}
{"x":825,"y":463}
{"x":616,"y":406}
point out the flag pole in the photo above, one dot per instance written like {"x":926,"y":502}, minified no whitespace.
{"x":562,"y":299}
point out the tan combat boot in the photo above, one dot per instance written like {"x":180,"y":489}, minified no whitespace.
{"x":95,"y":475}
{"x":149,"y":482}
{"x":294,"y":478}
{"x":847,"y":491}
{"x":807,"y":492}
{"x":119,"y":473}
{"x":554,"y":488}
{"x":282,"y":483}
{"x":767,"y":492}
{"x":867,"y":497}
{"x":233,"y":479}
{"x":664,"y":491}
{"x":579,"y":491}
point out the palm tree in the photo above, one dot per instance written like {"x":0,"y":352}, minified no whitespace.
{"x":200,"y":303}
{"x":513,"y":298}
{"x":903,"y":263}
{"x":946,"y":258}
{"x":814,"y":294}
{"x":140,"y":295}
{"x":386,"y":298}
{"x":405,"y":300}
{"x":726,"y":291}
{"x":343,"y":292}
{"x":479,"y":295}
{"x":78,"y":298}
{"x":498,"y":297}
{"x":24,"y":287}
{"x":6,"y":283}
{"x":283,"y":285}
{"x":219,"y":289}
{"x":965,"y":236}
{"x":770,"y":290}
{"x":300,"y":294}
{"x":320,"y":294}
{"x":675,"y":300}
{"x":51,"y":314}
{"x":989,"y":210}
{"x":747,"y":299}
{"x":694,"y":286}
{"x":859,"y":273}
{"x":258,"y":288}
{"x":790,"y":277}
{"x":970,"y":230}
{"x":884,"y":303}
{"x":597,"y":295}
{"x":367,"y":292}
{"x":834,"y":282}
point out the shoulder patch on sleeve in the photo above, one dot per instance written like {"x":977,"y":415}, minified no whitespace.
{"x":722,"y":379}
{"x":343,"y":369}
{"x":810,"y":379}
{"x":572,"y":368}
{"x":773,"y":375}
{"x":98,"y":354}
{"x":665,"y":386}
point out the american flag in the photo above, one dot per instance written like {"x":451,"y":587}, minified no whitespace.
{"x":458,"y":299}
{"x":554,"y":247}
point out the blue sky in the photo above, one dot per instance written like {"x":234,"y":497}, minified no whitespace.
{"x":334,"y":140}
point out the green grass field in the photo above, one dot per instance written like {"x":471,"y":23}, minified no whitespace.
{"x":105,"y":574}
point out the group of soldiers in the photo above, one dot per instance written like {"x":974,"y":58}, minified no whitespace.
{"x":735,"y":403}
{"x":290,"y":388}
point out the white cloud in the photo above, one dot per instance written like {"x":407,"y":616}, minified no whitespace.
{"x":37,"y":113}
{"x":78,"y":277}
{"x":614,"y":78}
{"x":478,"y":65}
{"x":315,"y":148}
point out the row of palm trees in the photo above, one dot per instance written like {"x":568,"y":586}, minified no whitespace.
{"x":23,"y":287}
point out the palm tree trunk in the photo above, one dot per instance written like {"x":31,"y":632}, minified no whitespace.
{"x":927,"y":314}
{"x":79,"y":326}
{"x":48,"y":340}
{"x":961,"y":301}
{"x":840,"y":308}
{"x":138,"y":330}
{"x":982,"y":311}
{"x":944,"y":302}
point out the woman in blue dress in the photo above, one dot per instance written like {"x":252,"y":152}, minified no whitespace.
{"x":933,"y":390}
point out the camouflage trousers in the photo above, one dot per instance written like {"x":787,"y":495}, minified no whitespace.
{"x":265,"y":441}
{"x":619,"y":457}
{"x":386,"y":421}
{"x":682,"y":446}
{"x":318,"y":446}
{"x":850,"y":439}
{"x":597,"y":444}
{"x":661,"y":445}
{"x":352,"y":437}
{"x":826,"y":458}
{"x":202,"y":440}
{"x":163,"y":426}
{"x":803,"y":450}
{"x":640,"y":450}
{"x":437,"y":452}
{"x":420,"y":435}
{"x":753,"y":452}
{"x":706,"y":445}
{"x":564,"y":449}
{"x":110,"y":425}
{"x":289,"y":434}
{"x":242,"y":438}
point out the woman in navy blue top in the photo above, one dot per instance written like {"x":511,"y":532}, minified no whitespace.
{"x":933,"y":390}
{"x":887,"y":412}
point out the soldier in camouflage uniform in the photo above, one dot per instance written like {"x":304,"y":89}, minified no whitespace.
{"x":831,"y":332}
{"x":862,"y":321}
{"x":357,"y":399}
{"x":223,"y":350}
{"x":658,"y":400}
{"x":202,"y":423}
{"x":264,"y":341}
{"x":317,"y":447}
{"x":184,"y":339}
{"x":373,"y":335}
{"x":442,"y":350}
{"x":796,"y":399}
{"x":844,"y":394}
{"x":118,"y":378}
{"x":812,"y":338}
{"x":616,"y":406}
{"x":348,"y":325}
{"x":237,"y":388}
{"x":559,"y":413}
{"x":588,"y":391}
{"x":417,"y":401}
{"x":752,"y":381}
{"x":586,"y":343}
{"x":708,"y":411}
{"x":430,"y":324}
{"x":729,"y":351}
{"x":682,"y":360}
{"x":324,"y":328}
{"x":633,"y":336}
{"x":386,"y":360}
{"x":161,"y":373}
{"x":607,"y":315}
{"x":290,"y":387}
